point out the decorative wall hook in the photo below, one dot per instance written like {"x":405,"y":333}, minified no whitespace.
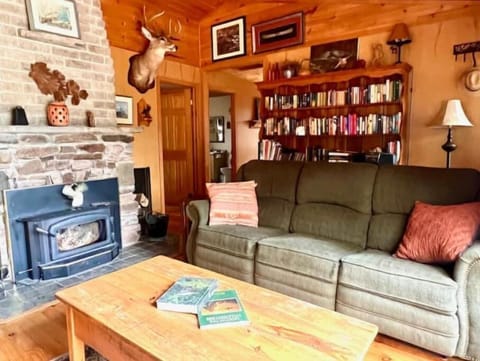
{"x":472,"y":77}
{"x":465,"y":49}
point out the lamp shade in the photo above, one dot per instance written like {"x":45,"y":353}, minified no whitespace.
{"x":454,"y":115}
{"x":399,"y":35}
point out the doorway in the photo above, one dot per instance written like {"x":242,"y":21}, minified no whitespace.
{"x":221,"y":138}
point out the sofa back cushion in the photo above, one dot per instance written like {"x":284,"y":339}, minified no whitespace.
{"x":276,"y":186}
{"x":334,"y":201}
{"x":398,"y":187}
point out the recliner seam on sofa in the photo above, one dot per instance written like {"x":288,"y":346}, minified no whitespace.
{"x":395,"y":274}
{"x":399,"y":299}
{"x":229,"y":253}
{"x":359,"y":309}
{"x":297,"y":273}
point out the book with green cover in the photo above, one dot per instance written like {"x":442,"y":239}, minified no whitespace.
{"x":223,"y":309}
{"x":187,"y":294}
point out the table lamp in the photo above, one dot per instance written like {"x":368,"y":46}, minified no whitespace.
{"x":454,"y":117}
{"x":399,"y":37}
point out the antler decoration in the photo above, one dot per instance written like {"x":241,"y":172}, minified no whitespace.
{"x":173,"y":27}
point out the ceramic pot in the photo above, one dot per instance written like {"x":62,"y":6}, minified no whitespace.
{"x":57,"y":114}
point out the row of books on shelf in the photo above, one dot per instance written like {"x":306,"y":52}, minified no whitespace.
{"x":390,"y":91}
{"x":350,"y":124}
{"x":214,"y":308}
{"x":273,"y":150}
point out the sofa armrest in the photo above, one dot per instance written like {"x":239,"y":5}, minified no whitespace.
{"x":467,"y":275}
{"x":197,"y":212}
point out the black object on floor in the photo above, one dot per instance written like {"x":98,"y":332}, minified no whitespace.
{"x":157,"y":224}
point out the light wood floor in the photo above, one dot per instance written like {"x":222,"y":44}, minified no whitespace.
{"x":40,"y":335}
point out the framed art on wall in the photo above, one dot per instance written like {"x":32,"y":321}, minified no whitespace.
{"x":53,"y":16}
{"x":228,"y":39}
{"x":337,"y":55}
{"x":278,"y":33}
{"x":124,"y":109}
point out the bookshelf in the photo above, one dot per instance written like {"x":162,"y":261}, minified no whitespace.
{"x":353,"y":110}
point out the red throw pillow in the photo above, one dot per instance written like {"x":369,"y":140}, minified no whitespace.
{"x":233,"y":203}
{"x":439,"y":234}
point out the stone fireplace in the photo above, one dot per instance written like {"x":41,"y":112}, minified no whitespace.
{"x":37,"y":154}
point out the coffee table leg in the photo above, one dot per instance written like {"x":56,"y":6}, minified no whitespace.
{"x":76,"y":347}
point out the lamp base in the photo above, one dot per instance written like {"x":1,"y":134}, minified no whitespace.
{"x":449,"y":146}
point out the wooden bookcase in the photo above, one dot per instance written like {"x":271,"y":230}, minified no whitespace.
{"x":351,"y":110}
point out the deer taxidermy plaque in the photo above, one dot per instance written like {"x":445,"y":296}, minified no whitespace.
{"x":143,"y":67}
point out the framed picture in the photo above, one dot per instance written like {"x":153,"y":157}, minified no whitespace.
{"x":338,"y":55}
{"x":228,"y":39}
{"x":124,"y":109}
{"x":217,"y":129}
{"x":278,"y":33}
{"x":53,"y":16}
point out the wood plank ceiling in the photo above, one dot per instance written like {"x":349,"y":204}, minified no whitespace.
{"x":325,"y":20}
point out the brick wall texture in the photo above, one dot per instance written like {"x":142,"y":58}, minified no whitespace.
{"x":86,"y":60}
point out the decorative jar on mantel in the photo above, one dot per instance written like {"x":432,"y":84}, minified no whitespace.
{"x":57,"y":114}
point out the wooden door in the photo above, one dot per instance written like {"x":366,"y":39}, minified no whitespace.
{"x":177,"y":139}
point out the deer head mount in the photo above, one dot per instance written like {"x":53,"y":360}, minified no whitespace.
{"x":144,"y":66}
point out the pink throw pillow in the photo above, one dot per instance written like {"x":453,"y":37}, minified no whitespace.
{"x":233,"y":203}
{"x":439,"y":234}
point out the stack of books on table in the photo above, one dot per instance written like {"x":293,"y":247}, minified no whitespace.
{"x":214,"y":308}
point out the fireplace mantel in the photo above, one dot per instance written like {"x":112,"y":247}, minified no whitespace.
{"x":43,"y":129}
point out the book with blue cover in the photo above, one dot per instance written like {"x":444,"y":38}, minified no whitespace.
{"x":223,"y":309}
{"x":188,"y":294}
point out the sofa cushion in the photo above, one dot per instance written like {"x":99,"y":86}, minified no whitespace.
{"x":438,"y":234}
{"x":397,"y":188}
{"x":424,"y":286}
{"x":233,"y":203}
{"x":301,"y":266}
{"x":303,"y":254}
{"x":334,"y":201}
{"x":235,"y":240}
{"x":276,"y":187}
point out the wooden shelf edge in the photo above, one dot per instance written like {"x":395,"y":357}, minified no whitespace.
{"x":338,"y":76}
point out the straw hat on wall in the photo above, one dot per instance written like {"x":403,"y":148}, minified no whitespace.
{"x":472,"y":80}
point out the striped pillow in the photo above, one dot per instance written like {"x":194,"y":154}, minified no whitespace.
{"x":233,"y":203}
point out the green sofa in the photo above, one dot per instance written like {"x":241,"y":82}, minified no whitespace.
{"x":326,"y":235}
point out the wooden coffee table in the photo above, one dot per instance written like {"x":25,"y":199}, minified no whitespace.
{"x":114,"y":314}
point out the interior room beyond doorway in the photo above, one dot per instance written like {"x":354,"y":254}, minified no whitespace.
{"x":220,"y":136}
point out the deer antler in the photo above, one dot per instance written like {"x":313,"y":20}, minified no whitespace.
{"x":176,"y":30}
{"x":147,"y":21}
{"x":172,"y":28}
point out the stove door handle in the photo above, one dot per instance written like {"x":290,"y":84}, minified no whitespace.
{"x":44,"y":231}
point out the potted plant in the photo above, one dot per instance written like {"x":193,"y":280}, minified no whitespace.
{"x":54,"y":83}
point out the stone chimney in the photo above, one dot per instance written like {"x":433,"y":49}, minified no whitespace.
{"x":38,"y":154}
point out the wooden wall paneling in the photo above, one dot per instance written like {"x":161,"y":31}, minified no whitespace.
{"x":255,"y":13}
{"x":123,"y":21}
{"x":330,"y":21}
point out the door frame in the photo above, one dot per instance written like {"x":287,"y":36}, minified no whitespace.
{"x":199,"y":159}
